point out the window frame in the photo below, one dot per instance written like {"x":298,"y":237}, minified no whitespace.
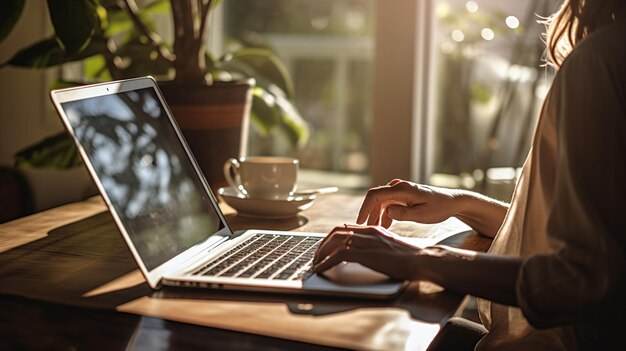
{"x":400,"y":147}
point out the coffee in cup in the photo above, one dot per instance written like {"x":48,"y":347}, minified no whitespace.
{"x":263,"y":177}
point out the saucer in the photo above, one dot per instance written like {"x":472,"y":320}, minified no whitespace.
{"x":265,"y":208}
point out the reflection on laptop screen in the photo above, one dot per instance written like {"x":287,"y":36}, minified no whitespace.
{"x":145,"y":172}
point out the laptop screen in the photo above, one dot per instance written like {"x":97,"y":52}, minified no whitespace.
{"x":145,"y":171}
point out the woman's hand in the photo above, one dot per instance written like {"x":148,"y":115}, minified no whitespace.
{"x":407,"y":201}
{"x":483,"y":275}
{"x":373,"y":247}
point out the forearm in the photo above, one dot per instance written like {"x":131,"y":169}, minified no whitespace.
{"x":485,"y":215}
{"x":491,"y":277}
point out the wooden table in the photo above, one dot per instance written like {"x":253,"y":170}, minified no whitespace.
{"x":68,"y":281}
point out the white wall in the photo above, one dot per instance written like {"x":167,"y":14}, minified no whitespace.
{"x":26,"y":113}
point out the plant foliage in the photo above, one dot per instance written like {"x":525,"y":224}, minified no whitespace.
{"x":117,"y":39}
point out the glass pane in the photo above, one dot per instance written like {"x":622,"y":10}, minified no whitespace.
{"x":327,"y":47}
{"x":490,"y":83}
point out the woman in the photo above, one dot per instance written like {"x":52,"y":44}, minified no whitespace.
{"x":554,"y":277}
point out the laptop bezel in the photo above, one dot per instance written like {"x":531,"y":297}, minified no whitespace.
{"x":154,"y":276}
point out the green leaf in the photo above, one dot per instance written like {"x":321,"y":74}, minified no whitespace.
{"x":10,"y":13}
{"x":264,"y":113}
{"x":95,"y":67}
{"x":261,"y":64}
{"x":142,"y":59}
{"x":74,"y":22}
{"x":117,"y":22}
{"x":298,"y":134}
{"x":292,"y":123}
{"x":271,"y":109}
{"x":211,"y":63}
{"x":48,"y":53}
{"x":57,"y":151}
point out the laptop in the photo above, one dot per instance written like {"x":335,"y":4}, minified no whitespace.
{"x":166,"y":212}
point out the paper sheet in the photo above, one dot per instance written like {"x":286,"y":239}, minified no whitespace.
{"x":423,"y":235}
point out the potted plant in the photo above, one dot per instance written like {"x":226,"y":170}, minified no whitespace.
{"x":210,"y":97}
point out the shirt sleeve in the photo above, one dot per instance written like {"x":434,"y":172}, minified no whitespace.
{"x":584,"y":276}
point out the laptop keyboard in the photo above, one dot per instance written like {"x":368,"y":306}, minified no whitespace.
{"x":266,"y":256}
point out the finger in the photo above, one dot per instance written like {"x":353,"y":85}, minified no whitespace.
{"x":346,"y":228}
{"x":397,"y":191}
{"x":335,"y":241}
{"x":386,"y":221}
{"x":370,"y":203}
{"x":372,"y":240}
{"x":374,"y":216}
{"x":338,"y":256}
{"x":340,"y":242}
{"x":332,"y":232}
{"x":382,"y":216}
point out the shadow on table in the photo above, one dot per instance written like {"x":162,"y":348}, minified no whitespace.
{"x":71,"y":261}
{"x":34,"y":325}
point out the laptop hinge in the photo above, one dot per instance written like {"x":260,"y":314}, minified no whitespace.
{"x":199,"y":254}
{"x":238,"y":233}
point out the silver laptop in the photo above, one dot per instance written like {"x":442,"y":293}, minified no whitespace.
{"x":165,"y":210}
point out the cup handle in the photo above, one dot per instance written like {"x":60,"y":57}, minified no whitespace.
{"x":232,"y":165}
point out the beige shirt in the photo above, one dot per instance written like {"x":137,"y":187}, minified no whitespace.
{"x":568,"y":214}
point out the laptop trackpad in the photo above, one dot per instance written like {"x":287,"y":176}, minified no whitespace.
{"x":352,"y":273}
{"x":353,"y":277}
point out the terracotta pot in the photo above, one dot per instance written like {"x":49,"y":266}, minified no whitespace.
{"x":214,"y":120}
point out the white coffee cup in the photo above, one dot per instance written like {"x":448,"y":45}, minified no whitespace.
{"x":263,"y":177}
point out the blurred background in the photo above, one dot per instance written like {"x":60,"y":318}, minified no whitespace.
{"x":444,"y":92}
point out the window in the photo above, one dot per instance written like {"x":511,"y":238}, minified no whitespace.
{"x":487,"y":87}
{"x":437,"y":91}
{"x":328,"y":47}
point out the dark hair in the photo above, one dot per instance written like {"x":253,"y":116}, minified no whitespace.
{"x":573,"y":22}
